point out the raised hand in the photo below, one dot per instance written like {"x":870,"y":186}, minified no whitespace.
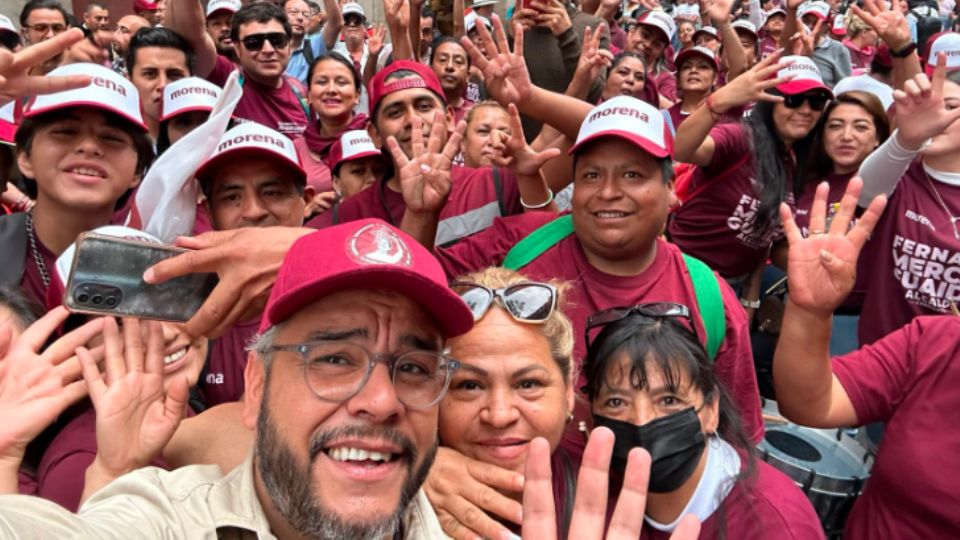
{"x":889,"y":22}
{"x":425,"y":176}
{"x":719,"y":11}
{"x":14,"y":67}
{"x":753,"y":84}
{"x":35,"y":387}
{"x":505,"y":73}
{"x":518,"y":156}
{"x":922,"y":102}
{"x":592,"y":56}
{"x":376,"y":40}
{"x":590,"y":504}
{"x":822,"y":267}
{"x":803,"y":40}
{"x":553,"y":14}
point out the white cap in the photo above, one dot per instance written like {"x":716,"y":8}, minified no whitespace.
{"x":232,"y":6}
{"x":706,"y":30}
{"x":816,"y":7}
{"x":188,"y":94}
{"x":866,"y":83}
{"x":470,"y":21}
{"x":839,"y":26}
{"x":744,"y":25}
{"x":107,"y":91}
{"x":687,"y":10}
{"x":660,"y":20}
{"x":806,"y":76}
{"x":353,"y":8}
{"x":6,"y":25}
{"x":352,"y":145}
{"x":251,"y":138}
{"x":631,"y":119}
{"x":65,"y":260}
{"x":481,"y":3}
{"x":947,"y":43}
{"x":704,"y":52}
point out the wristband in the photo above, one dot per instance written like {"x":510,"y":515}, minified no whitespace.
{"x":541,"y":205}
{"x":904,"y":52}
{"x":750,"y":304}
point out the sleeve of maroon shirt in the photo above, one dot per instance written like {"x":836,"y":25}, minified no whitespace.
{"x":876,"y":376}
{"x":62,"y":479}
{"x":222,"y":69}
{"x":511,"y":192}
{"x":734,"y":365}
{"x":667,"y":86}
{"x":489,"y":247}
{"x":730,"y":144}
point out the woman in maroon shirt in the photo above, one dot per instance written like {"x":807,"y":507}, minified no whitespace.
{"x":697,"y":70}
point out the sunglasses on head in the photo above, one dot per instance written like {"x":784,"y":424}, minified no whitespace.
{"x":656,"y":310}
{"x":816,"y":100}
{"x":254,"y":42}
{"x":525,"y":302}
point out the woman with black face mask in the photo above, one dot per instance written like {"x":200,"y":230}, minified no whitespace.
{"x":650,"y":382}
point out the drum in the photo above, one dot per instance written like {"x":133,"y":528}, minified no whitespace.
{"x":829,"y":465}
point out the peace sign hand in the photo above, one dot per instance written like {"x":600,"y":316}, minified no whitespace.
{"x":425,"y":176}
{"x":889,"y":22}
{"x":822,"y":267}
{"x":517,"y":155}
{"x":505,"y":73}
{"x":592,"y":56}
{"x":14,"y":68}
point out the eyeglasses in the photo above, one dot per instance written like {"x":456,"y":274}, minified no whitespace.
{"x":816,"y":101}
{"x":254,"y":42}
{"x":353,"y":21}
{"x":336,"y":371}
{"x":525,"y":302}
{"x":43,"y":28}
{"x":656,"y":310}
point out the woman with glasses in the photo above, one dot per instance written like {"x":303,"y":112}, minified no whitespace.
{"x":514,"y":383}
{"x":743,"y":171}
{"x":650,"y":382}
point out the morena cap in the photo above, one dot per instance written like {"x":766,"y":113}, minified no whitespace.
{"x":6,"y":25}
{"x":251,"y":138}
{"x":805,"y":74}
{"x":232,"y":6}
{"x":704,"y":52}
{"x":377,"y":88}
{"x":353,"y":8}
{"x":144,"y":5}
{"x":706,"y":30}
{"x":352,"y":145}
{"x":866,"y":83}
{"x":628,"y":118}
{"x":816,"y":7}
{"x":470,"y":21}
{"x":839,"y":26}
{"x":364,"y":254}
{"x":481,"y":3}
{"x":661,"y":21}
{"x":187,"y":95}
{"x":107,"y":91}
{"x":947,"y":43}
{"x":745,"y":26}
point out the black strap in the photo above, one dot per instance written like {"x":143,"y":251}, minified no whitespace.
{"x":498,"y":186}
{"x":308,"y":51}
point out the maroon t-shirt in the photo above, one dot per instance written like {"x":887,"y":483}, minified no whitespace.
{"x":716,"y":226}
{"x":838,"y":185}
{"x":470,"y":208}
{"x":665,"y":280}
{"x":223,"y":379}
{"x":909,"y":380}
{"x":666,"y":85}
{"x":768,"y":46}
{"x":677,"y":116}
{"x":276,"y":108}
{"x":766,"y":505}
{"x":318,"y":174}
{"x":911,"y":265}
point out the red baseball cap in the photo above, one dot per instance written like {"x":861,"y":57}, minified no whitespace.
{"x":806,"y":76}
{"x":377,"y":88}
{"x":144,"y":5}
{"x":364,"y":254}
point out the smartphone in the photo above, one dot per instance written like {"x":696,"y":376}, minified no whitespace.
{"x":106,"y":278}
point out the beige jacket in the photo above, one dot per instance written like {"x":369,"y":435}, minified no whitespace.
{"x":191,"y":502}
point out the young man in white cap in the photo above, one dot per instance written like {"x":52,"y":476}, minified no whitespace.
{"x":219,"y":15}
{"x":831,"y":57}
{"x":186,"y":104}
{"x":355,"y":165}
{"x":304,"y":49}
{"x":353,"y":46}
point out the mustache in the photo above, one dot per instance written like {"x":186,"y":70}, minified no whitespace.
{"x":319,"y":441}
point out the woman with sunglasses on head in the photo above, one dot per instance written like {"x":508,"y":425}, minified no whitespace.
{"x":745,"y":170}
{"x":515,"y":383}
{"x":649,"y":381}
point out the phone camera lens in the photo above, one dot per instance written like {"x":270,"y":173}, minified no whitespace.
{"x":83,"y":298}
{"x":110,"y":301}
{"x":97,"y":299}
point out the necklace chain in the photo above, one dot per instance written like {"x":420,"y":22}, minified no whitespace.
{"x":946,"y":210}
{"x":41,"y":266}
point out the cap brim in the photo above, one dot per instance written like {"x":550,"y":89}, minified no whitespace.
{"x":658,"y":28}
{"x":355,"y":157}
{"x":94,"y":104}
{"x":185,"y":110}
{"x":218,"y":160}
{"x":798,"y":87}
{"x":218,"y":10}
{"x":645,"y":144}
{"x":687,"y":53}
{"x":446,"y":306}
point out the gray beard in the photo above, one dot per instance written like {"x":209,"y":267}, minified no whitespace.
{"x":288,"y":482}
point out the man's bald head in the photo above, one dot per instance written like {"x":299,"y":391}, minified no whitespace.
{"x":127,"y":26}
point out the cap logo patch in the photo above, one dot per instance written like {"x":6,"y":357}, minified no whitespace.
{"x":378,"y":244}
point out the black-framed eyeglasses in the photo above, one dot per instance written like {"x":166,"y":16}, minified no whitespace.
{"x":655,"y":310}
{"x":353,"y":21}
{"x":254,"y":42}
{"x":43,"y":28}
{"x":336,"y":371}
{"x":816,"y":100}
{"x":525,"y":302}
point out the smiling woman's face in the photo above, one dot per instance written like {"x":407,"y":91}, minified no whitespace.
{"x":507,"y":391}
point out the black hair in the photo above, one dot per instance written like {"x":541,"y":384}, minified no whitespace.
{"x":623,"y":55}
{"x":24,"y":311}
{"x":163,"y":135}
{"x":772,"y":164}
{"x":34,"y":5}
{"x":91,"y":5}
{"x":261,"y":12}
{"x":425,"y":11}
{"x":315,"y":7}
{"x":448,"y":39}
{"x":335,"y":57}
{"x":158,"y":36}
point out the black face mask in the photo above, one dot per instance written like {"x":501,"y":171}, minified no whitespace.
{"x":675,"y":443}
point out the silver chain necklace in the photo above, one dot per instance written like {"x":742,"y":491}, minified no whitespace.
{"x":41,"y":266}
{"x":953,"y":219}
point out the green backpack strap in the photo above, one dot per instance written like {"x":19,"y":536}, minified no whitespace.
{"x":540,"y":240}
{"x":709,"y":303}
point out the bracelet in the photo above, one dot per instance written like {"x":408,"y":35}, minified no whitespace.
{"x":750,"y":304}
{"x":541,"y":205}
{"x":708,"y":103}
{"x":904,"y":52}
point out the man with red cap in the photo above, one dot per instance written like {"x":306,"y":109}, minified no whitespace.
{"x":146,"y":9}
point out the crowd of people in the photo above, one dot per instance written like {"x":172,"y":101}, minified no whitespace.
{"x":483,"y":269}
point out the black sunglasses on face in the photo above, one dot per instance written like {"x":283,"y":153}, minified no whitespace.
{"x":656,"y":310}
{"x":254,"y":42}
{"x":816,"y":101}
